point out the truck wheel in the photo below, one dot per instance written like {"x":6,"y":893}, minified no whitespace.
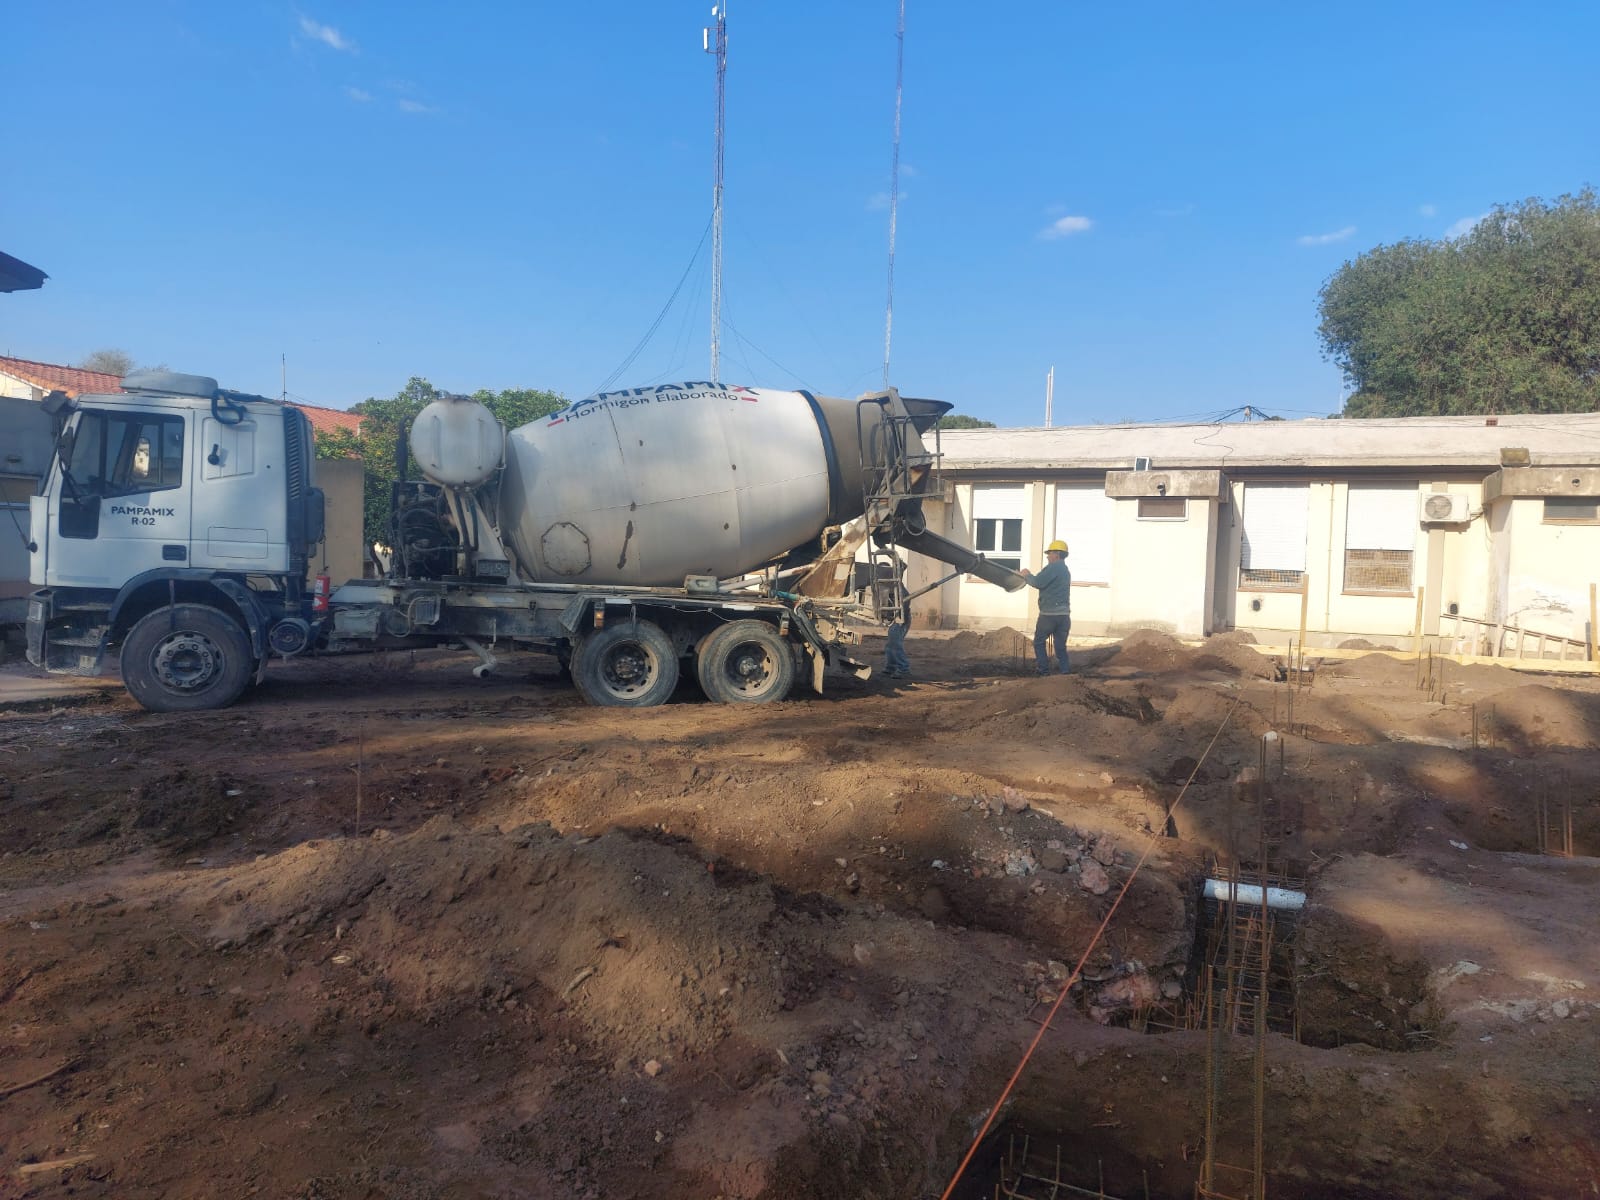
{"x":632,"y":664}
{"x":745,"y":662}
{"x":186,"y":657}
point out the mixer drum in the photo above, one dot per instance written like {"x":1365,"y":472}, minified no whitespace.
{"x":647,"y":486}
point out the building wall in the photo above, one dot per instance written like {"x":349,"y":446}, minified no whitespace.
{"x":10,"y":385}
{"x":1184,"y":576}
{"x":1162,"y":572}
{"x":1549,"y":568}
{"x":343,"y":553}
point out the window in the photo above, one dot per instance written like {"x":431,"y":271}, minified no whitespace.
{"x":116,"y":455}
{"x":1379,"y":537}
{"x":1163,"y":508}
{"x":1083,"y":522}
{"x":997,"y":514}
{"x":1272,"y":555}
{"x":1574,"y":510}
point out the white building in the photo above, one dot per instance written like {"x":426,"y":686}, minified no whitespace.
{"x":1482,"y":527}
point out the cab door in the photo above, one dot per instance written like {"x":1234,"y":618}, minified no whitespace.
{"x":122,"y":507}
{"x":238,"y":497}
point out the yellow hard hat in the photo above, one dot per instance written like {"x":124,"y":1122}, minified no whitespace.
{"x":1058,"y":544}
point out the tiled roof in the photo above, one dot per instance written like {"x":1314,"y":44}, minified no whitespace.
{"x":326,"y":420}
{"x":72,"y":380}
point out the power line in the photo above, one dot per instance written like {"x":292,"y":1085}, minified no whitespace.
{"x":660,"y":316}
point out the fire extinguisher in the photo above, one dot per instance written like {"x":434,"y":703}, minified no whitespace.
{"x":319,"y":596}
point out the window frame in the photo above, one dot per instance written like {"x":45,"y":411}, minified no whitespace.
{"x":1590,"y":501}
{"x":1408,"y":490}
{"x":998,"y":505}
{"x":133,"y":428}
{"x":1077,"y":534}
{"x":1174,"y":518}
{"x":1302,"y":573}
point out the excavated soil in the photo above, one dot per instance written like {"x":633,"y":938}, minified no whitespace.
{"x":383,"y":930}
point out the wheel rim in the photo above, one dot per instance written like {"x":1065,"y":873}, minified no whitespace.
{"x":628,"y":669}
{"x":750,"y":668}
{"x":187,"y":660}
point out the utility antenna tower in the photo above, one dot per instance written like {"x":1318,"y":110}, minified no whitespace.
{"x":714,"y":40}
{"x":894,"y":184}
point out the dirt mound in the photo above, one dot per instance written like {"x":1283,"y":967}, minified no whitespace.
{"x":1150,"y":650}
{"x":1536,"y":716}
{"x":178,"y":811}
{"x":994,"y":645}
{"x":1384,"y":669}
{"x":1231,"y":653}
{"x":639,"y":942}
{"x":1161,"y":653}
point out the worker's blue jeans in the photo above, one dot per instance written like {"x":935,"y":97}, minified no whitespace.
{"x":1052,"y":626}
{"x":894,"y":650}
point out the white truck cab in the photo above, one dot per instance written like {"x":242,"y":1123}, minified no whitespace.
{"x":176,"y":523}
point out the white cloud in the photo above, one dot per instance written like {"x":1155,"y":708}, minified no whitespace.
{"x":879,"y":201}
{"x":413,"y":106}
{"x":1065,"y":227}
{"x":357,"y":94}
{"x":1464,"y":226}
{"x":1183,"y":210}
{"x":1324,"y":239}
{"x":909,"y":171}
{"x":1429,"y":210}
{"x":326,"y":34}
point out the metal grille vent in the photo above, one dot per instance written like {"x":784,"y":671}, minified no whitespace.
{"x":294,"y":444}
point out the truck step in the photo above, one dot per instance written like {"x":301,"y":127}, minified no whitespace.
{"x":73,"y":664}
{"x":91,"y":640}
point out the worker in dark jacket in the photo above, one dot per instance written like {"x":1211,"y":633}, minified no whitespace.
{"x":1055,"y":606}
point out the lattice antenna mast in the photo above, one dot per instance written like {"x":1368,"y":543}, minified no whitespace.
{"x":894,"y":185}
{"x":714,"y":40}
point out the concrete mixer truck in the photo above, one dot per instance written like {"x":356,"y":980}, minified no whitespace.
{"x":736,"y":533}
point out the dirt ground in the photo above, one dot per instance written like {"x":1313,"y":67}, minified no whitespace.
{"x":383,"y":930}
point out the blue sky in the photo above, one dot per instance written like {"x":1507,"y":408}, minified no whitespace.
{"x":1147,"y":197}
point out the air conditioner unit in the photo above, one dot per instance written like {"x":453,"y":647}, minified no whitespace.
{"x":1446,"y":508}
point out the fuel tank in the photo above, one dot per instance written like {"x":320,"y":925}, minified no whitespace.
{"x":649,"y":485}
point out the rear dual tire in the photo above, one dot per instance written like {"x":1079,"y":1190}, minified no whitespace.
{"x":745,"y":662}
{"x":632,"y":664}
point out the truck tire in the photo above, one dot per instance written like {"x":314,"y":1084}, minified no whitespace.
{"x":631,"y":664}
{"x":745,"y":662}
{"x":186,"y":657}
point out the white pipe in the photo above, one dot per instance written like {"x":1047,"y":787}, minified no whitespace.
{"x":1249,"y":894}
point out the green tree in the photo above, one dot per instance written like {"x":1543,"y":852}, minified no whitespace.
{"x":962,"y":421}
{"x":382,"y":421}
{"x":1503,"y":319}
{"x":517,"y":406}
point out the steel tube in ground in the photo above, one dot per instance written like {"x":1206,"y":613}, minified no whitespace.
{"x":1250,"y":893}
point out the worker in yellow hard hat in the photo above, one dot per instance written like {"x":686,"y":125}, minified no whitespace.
{"x":1055,"y":607}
